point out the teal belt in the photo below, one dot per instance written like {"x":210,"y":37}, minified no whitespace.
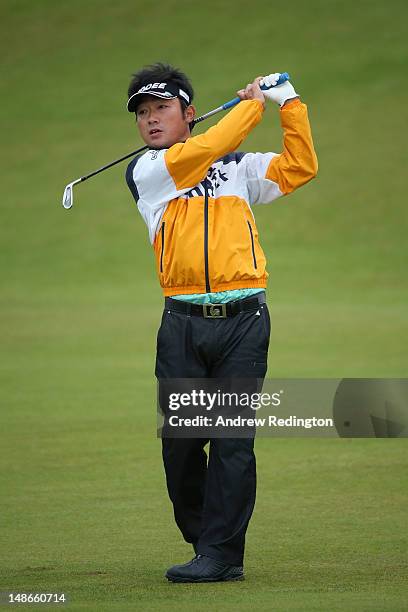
{"x":218,"y":297}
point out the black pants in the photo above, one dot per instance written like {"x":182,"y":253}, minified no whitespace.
{"x":212,"y":503}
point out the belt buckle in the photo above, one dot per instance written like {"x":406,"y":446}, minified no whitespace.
{"x":215,"y":311}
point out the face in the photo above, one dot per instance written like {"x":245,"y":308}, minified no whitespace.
{"x":162,"y":122}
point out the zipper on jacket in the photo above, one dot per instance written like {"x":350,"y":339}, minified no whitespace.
{"x":252,"y":243}
{"x":207,"y":278}
{"x":162,"y":247}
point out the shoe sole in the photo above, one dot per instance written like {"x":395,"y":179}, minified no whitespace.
{"x":226,"y":579}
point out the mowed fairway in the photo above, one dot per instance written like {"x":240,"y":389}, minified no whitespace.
{"x":84,"y":509}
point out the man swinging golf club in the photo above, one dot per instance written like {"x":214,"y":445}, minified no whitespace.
{"x":195,"y":194}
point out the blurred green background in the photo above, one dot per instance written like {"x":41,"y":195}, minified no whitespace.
{"x":84,"y":506}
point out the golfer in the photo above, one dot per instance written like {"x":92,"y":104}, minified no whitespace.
{"x":195,"y":194}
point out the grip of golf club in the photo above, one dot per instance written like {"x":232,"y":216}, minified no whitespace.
{"x":283,"y":77}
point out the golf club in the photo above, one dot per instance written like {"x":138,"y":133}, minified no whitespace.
{"x":68,"y":197}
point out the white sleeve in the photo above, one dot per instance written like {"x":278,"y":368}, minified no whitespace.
{"x":252,"y":168}
{"x":152,"y":187}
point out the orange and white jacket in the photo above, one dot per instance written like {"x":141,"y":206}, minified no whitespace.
{"x":196,"y":198}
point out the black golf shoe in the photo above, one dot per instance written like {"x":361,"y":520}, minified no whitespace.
{"x":204,"y":569}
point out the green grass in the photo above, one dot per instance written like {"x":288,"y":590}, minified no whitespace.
{"x":84,"y":505}
{"x":89,"y":516}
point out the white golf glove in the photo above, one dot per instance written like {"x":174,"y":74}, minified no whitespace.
{"x":280,"y":93}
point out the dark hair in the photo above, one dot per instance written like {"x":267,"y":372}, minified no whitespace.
{"x":161,"y":72}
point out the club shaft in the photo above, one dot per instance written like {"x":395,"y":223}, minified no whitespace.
{"x":117,"y":161}
{"x":209,"y":114}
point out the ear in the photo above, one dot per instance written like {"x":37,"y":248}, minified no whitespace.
{"x":189,"y":113}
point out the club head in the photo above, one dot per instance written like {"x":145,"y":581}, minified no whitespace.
{"x":68,"y":197}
